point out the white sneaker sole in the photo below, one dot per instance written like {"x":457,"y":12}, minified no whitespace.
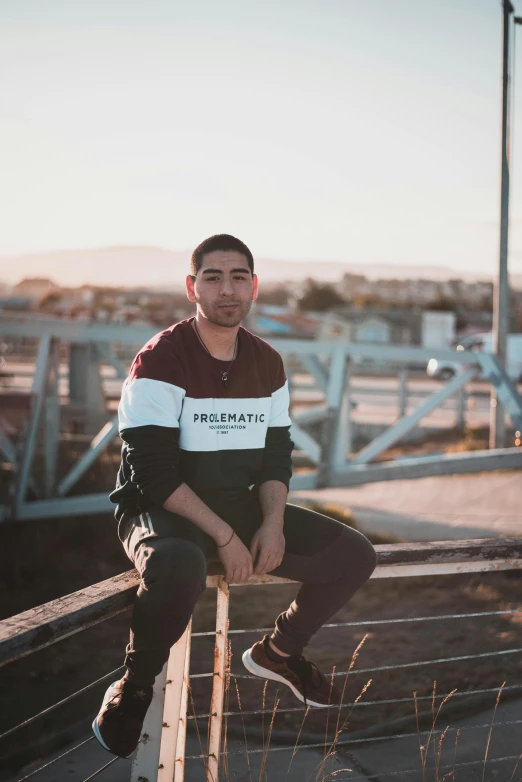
{"x":266,"y":673}
{"x":96,"y":729}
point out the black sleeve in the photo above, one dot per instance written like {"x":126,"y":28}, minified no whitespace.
{"x":277,"y":456}
{"x":153,"y":457}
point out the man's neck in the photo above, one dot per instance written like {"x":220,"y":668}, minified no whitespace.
{"x":219,"y":341}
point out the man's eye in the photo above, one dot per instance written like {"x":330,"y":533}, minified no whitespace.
{"x":239,"y":277}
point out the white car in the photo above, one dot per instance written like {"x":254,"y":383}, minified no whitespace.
{"x":442,"y":369}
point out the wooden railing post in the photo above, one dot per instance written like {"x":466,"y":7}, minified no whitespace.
{"x":179,"y":767}
{"x":174,"y":726}
{"x":164,"y":729}
{"x":145,"y":761}
{"x":218,"y":685}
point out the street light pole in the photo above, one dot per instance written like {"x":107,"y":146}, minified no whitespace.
{"x":497,"y":425}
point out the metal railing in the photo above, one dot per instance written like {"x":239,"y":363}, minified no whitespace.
{"x":161,"y":753}
{"x":324,"y":431}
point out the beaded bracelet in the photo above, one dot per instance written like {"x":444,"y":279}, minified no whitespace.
{"x":228,"y":541}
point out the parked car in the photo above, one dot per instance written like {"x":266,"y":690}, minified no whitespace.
{"x":443,"y":369}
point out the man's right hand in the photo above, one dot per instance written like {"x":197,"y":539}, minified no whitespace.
{"x":236,"y":560}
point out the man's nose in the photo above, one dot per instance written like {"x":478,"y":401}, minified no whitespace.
{"x":227,"y":289}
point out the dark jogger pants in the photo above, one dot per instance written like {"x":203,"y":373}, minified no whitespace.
{"x":170,"y":553}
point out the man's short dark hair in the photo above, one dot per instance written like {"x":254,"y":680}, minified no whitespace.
{"x":219,"y":242}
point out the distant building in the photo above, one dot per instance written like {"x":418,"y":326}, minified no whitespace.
{"x":438,"y":329}
{"x":389,"y":327}
{"x":35,"y":287}
{"x":372,"y":326}
{"x":359,"y":289}
{"x":270,"y":320}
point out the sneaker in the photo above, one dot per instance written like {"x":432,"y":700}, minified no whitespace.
{"x":120,"y":720}
{"x":304,"y":678}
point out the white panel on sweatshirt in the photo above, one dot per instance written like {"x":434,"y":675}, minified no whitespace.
{"x":224,"y":424}
{"x":279,"y":408}
{"x":146,"y":402}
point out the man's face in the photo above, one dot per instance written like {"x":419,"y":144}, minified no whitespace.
{"x":224,"y":287}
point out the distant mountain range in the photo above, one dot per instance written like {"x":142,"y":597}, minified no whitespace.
{"x":154,"y":267}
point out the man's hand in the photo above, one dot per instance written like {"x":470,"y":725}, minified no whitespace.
{"x":268,"y":546}
{"x":236,"y":560}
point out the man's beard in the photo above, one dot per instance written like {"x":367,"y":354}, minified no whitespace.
{"x":225,"y":320}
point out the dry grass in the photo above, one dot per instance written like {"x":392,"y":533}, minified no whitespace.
{"x":431,"y":741}
{"x":431,"y":693}
{"x":444,"y":441}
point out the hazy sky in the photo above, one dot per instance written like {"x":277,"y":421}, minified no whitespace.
{"x":326,"y":129}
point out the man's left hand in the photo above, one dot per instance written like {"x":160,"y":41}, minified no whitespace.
{"x":268,"y":546}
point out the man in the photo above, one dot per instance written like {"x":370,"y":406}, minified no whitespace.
{"x":204,"y":474}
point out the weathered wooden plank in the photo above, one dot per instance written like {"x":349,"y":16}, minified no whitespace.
{"x":219,"y":682}
{"x":46,"y":624}
{"x":448,"y":551}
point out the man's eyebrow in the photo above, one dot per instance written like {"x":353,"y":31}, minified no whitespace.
{"x":220,"y":271}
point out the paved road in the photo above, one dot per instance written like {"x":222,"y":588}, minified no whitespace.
{"x":375,"y":398}
{"x":437,"y":508}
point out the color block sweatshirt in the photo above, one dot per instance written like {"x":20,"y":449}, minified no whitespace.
{"x":179,"y":423}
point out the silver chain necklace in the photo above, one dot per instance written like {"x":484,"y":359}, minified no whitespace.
{"x":225,"y":372}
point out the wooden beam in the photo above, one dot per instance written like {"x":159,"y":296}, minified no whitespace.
{"x":146,"y":758}
{"x":449,"y":551}
{"x":46,"y":624}
{"x":219,"y":682}
{"x":174,"y":725}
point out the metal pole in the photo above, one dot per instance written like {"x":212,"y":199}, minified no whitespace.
{"x":460,"y":404}
{"x":403,"y":392}
{"x":497,"y":430}
{"x":38,"y":392}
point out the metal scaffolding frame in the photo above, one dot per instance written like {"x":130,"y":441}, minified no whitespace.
{"x":328,"y":362}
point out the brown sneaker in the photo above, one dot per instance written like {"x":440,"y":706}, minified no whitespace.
{"x":303,"y":677}
{"x":120,"y":720}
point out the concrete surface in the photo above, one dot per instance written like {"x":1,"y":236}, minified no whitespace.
{"x":372,"y":760}
{"x":82,"y":763}
{"x":437,"y":508}
{"x":379,"y":758}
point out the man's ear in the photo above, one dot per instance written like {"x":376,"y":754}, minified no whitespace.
{"x":189,"y":284}
{"x":255,"y":290}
